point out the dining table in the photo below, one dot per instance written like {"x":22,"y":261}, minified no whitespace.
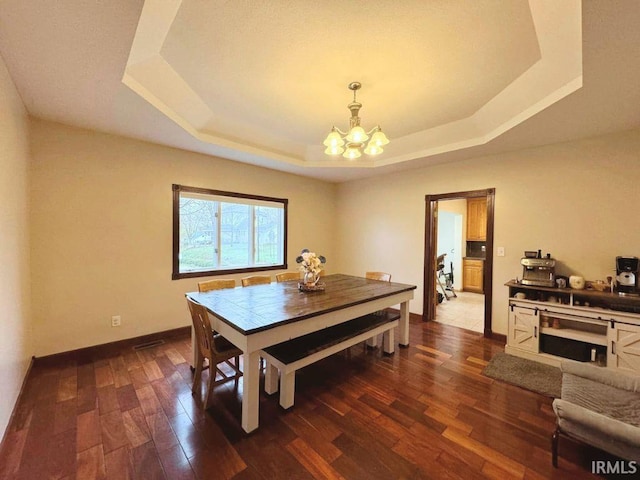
{"x":260,"y":316}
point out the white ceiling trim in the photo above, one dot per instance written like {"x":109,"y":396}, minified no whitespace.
{"x":557,"y":74}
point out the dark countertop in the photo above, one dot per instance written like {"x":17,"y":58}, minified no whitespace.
{"x":474,"y":258}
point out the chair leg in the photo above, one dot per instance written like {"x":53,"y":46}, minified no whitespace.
{"x":197,"y":377}
{"x":554,"y":447}
{"x":238,"y":372}
{"x":210,"y":383}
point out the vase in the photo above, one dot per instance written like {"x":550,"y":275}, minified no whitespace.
{"x":311,"y":278}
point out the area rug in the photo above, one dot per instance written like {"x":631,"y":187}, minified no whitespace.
{"x":534,"y":376}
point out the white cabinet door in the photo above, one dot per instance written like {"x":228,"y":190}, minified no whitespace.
{"x":624,"y":347}
{"x":523,"y":328}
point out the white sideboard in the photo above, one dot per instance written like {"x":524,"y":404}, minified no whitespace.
{"x":550,"y":324}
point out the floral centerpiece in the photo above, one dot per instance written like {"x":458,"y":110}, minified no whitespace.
{"x":311,"y":266}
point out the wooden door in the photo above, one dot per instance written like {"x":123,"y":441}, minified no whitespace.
{"x":624,"y":347}
{"x":523,"y":328}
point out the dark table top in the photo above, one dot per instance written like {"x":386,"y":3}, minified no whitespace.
{"x":260,"y":307}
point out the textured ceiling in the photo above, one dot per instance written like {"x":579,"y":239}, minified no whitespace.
{"x":247,"y":61}
{"x":266,"y":78}
{"x":262,"y":82}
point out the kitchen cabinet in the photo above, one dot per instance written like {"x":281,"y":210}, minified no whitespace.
{"x":477,"y":219}
{"x":472,"y":275}
{"x":548,"y":324}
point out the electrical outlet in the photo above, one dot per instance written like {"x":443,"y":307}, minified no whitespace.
{"x":116,"y":320}
{"x":500,"y":251}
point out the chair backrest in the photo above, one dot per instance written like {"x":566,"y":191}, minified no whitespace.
{"x":217,"y":284}
{"x":384,"y":277}
{"x":202,"y":328}
{"x":256,"y":280}
{"x":286,"y":276}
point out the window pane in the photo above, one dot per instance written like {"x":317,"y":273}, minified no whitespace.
{"x":235,"y":223}
{"x":268,"y":236}
{"x":217,"y":232}
{"x":198,"y":238}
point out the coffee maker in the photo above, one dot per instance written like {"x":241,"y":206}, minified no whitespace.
{"x":627,"y":275}
{"x":538,"y":271}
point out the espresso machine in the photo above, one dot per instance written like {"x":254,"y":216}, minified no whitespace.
{"x":538,"y":271}
{"x":627,"y":275}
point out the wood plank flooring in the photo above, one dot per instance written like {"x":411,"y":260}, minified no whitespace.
{"x":425,"y":412}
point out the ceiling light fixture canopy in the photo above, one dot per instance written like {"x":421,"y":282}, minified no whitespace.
{"x":351,"y":144}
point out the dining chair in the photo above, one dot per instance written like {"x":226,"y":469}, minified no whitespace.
{"x":256,"y":280}
{"x":217,"y":284}
{"x":215,"y":348}
{"x":286,"y":276}
{"x":384,"y":277}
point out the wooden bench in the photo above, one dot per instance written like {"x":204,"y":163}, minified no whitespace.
{"x":289,"y":356}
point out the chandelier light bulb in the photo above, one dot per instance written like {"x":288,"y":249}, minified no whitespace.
{"x":334,"y":139}
{"x":379,"y":138}
{"x":334,"y":150}
{"x":352,"y":153}
{"x":373,"y":149}
{"x":357,"y":135}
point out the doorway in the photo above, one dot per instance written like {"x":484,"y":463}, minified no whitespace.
{"x":430,"y":293}
{"x":450,"y":243}
{"x":458,"y":305}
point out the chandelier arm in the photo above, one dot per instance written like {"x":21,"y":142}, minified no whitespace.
{"x":340,"y":131}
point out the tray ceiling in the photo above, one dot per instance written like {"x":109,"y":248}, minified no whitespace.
{"x":267,"y":79}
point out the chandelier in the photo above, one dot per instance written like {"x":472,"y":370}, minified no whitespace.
{"x":351,"y":144}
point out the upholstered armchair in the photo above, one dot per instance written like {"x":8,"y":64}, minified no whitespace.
{"x":600,"y":407}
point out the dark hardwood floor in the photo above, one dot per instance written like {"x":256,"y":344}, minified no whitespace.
{"x":425,"y":412}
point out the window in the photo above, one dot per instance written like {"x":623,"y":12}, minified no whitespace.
{"x":218,"y":232}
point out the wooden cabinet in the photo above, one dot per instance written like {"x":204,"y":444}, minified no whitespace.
{"x":472,"y":275}
{"x":549,"y":324}
{"x":477,"y":219}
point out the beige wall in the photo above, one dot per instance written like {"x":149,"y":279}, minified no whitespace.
{"x":578,"y":201}
{"x":101,"y":229}
{"x":15,"y":337}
